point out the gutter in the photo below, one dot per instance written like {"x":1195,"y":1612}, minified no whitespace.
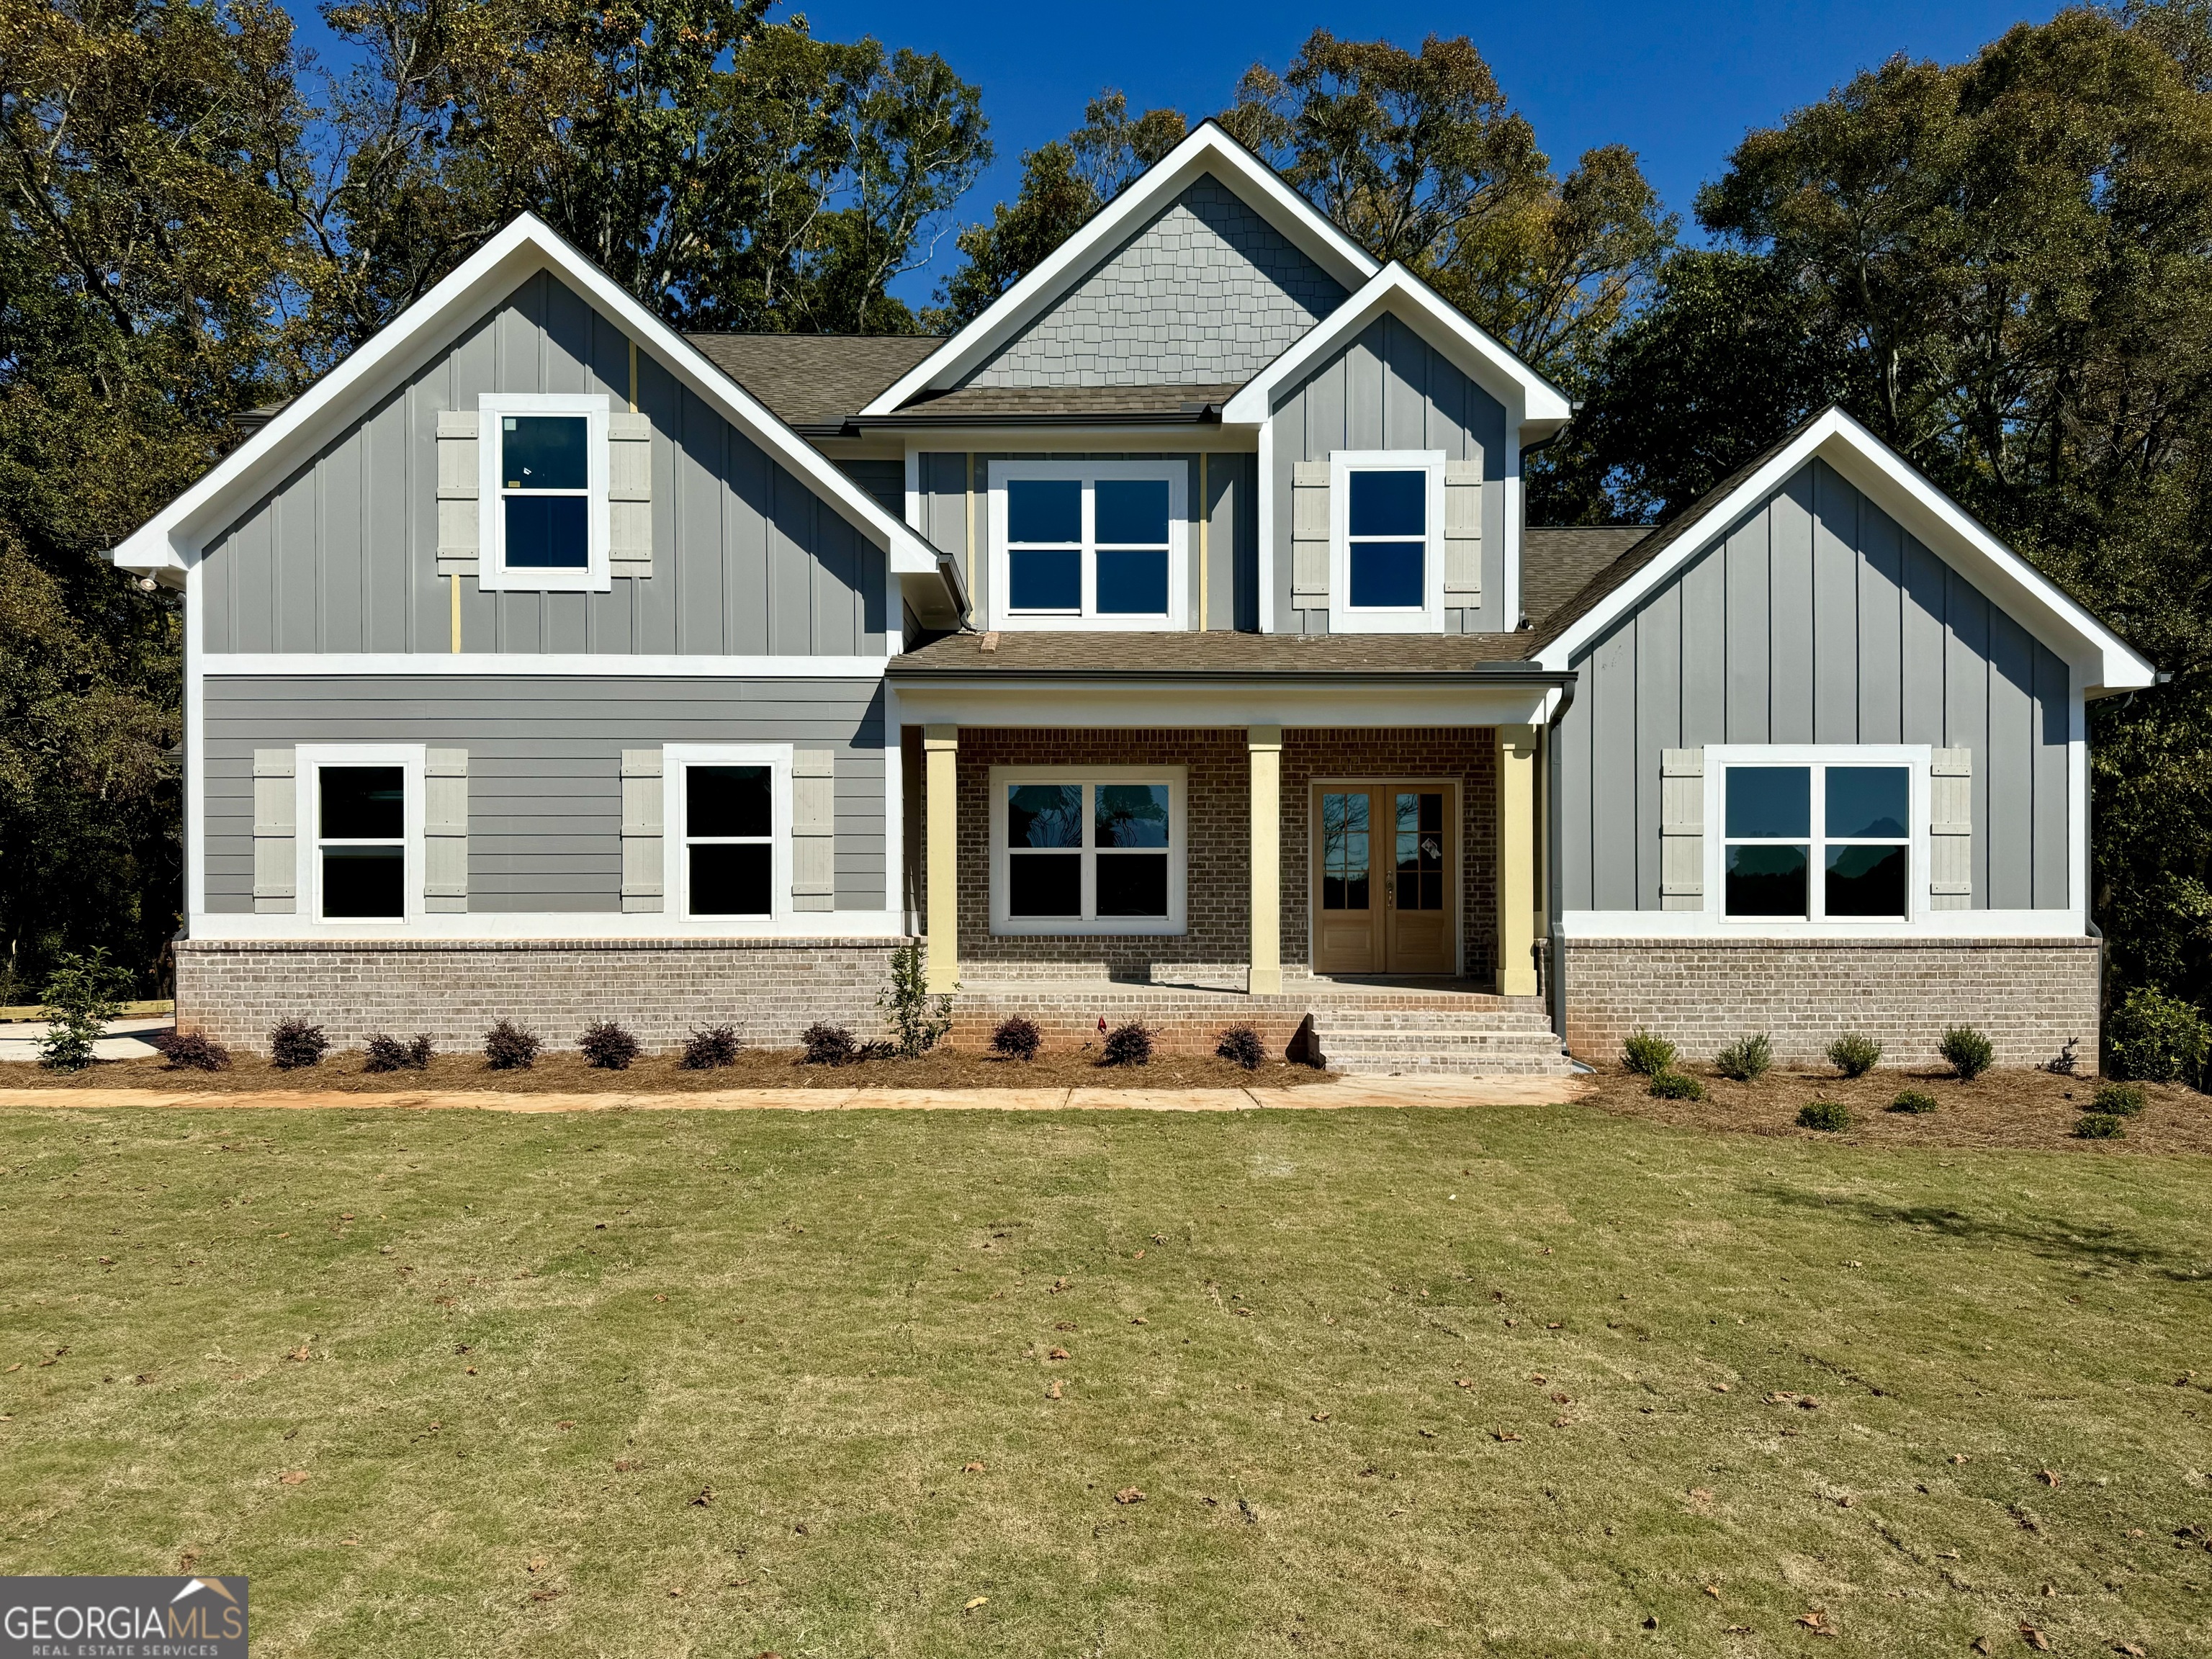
{"x":968,"y":420}
{"x":905,"y":669}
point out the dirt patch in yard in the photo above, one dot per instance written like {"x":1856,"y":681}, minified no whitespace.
{"x":2006,"y":1109}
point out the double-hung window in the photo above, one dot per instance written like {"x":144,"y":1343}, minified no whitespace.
{"x":1386,"y":540}
{"x":1820,"y":835}
{"x":360,"y":812}
{"x":542,"y":479}
{"x":726,"y":808}
{"x":1089,"y":543}
{"x":1087,"y":850}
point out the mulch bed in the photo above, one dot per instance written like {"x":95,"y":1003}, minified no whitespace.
{"x":756,"y":1068}
{"x":2000,"y":1108}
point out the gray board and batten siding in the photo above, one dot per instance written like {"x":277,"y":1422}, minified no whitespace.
{"x":1206,"y":292}
{"x":1815,"y":619}
{"x":1232,"y":529}
{"x":544,"y":766}
{"x":342,"y":557}
{"x":1390,"y":389}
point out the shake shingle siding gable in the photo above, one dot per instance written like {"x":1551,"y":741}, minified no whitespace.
{"x":1206,"y":291}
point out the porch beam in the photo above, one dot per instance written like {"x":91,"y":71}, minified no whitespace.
{"x":1264,"y":743}
{"x":1516,"y":861}
{"x":940,"y":748}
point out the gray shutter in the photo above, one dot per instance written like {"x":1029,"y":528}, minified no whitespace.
{"x":446,"y":830}
{"x":1682,"y":830}
{"x":275,"y":833}
{"x":641,"y":865}
{"x":1463,"y":529}
{"x":1951,"y":830}
{"x":457,"y":492}
{"x":629,"y":495}
{"x":814,"y":829}
{"x":1310,"y":532}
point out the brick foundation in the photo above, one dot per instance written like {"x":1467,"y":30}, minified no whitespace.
{"x":2027,"y":996}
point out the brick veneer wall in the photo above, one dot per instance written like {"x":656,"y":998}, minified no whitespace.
{"x":2027,"y":996}
{"x":770,"y":989}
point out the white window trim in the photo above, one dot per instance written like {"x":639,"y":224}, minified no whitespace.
{"x":676,"y":869}
{"x":1916,"y":757}
{"x":1003,"y":777}
{"x":493,"y":574}
{"x":309,"y":760}
{"x":1345,"y":617}
{"x":1176,"y":473}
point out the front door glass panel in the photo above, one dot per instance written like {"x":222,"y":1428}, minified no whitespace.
{"x":1420,"y":850}
{"x":1344,"y":831}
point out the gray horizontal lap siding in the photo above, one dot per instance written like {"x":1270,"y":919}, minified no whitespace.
{"x":1204,"y":293}
{"x":545,"y":767}
{"x":342,"y":557}
{"x":1816,"y":619}
{"x":1389,"y":389}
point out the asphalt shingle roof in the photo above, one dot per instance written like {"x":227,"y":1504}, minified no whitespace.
{"x":815,"y":379}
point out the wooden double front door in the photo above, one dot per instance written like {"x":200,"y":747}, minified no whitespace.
{"x":1385,"y":867}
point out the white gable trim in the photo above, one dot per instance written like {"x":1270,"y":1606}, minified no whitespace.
{"x":1207,"y":150}
{"x":175,"y":537}
{"x":1541,"y":408}
{"x":2102,"y":661}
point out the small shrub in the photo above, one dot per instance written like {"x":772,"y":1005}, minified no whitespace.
{"x":607,"y":1047}
{"x":710,"y":1049}
{"x":2100,"y":1126}
{"x":1647,"y":1053}
{"x":82,"y":994}
{"x":828,"y":1045}
{"x":1746,"y":1060}
{"x":508,"y":1047}
{"x":1825,"y":1115}
{"x":296,"y":1043}
{"x":1676,"y":1085}
{"x":1016,"y":1038}
{"x":918,"y":1019}
{"x":1853,"y":1055}
{"x":1914,"y":1101}
{"x":1967,"y":1051}
{"x":1127,"y":1045}
{"x":2157,"y":1038}
{"x":386,"y":1053}
{"x":191,"y":1051}
{"x":2120,"y":1099}
{"x":2064,"y":1063}
{"x":1240,"y":1046}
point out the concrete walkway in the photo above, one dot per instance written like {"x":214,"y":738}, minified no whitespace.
{"x":1448,"y":1091}
{"x":126,"y":1039}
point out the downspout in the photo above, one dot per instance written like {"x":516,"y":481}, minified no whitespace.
{"x":1556,"y":947}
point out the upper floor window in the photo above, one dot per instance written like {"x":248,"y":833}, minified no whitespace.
{"x":1819,"y":835}
{"x":1386,"y":544}
{"x":543,"y":489}
{"x":1088,"y":544}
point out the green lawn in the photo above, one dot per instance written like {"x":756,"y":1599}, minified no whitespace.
{"x":509,"y":1378}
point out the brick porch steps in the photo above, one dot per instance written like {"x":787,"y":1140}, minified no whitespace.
{"x":1385,"y":1043}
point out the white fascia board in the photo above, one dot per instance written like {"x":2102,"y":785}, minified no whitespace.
{"x":1542,"y":407}
{"x":2106,"y":662}
{"x":1208,"y":150}
{"x":594,"y":665}
{"x":175,"y":535}
{"x":1118,"y":704}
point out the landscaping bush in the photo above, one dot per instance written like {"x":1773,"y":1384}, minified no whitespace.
{"x":1912,"y":1100}
{"x":1746,"y":1060}
{"x":1240,"y":1046}
{"x":918,"y":1019}
{"x":1129,"y":1045}
{"x":2100,"y":1126}
{"x":1967,"y":1051}
{"x":1676,"y":1085}
{"x":81,"y":996}
{"x":828,"y":1045}
{"x":2157,"y":1038}
{"x":1647,"y":1053}
{"x":1824,"y":1114}
{"x":607,"y":1047}
{"x":389,"y":1053}
{"x":710,"y":1049}
{"x":1016,"y":1038}
{"x":2120,"y":1099}
{"x":508,"y":1047}
{"x":1854,"y":1055}
{"x":296,"y":1043}
{"x":191,"y":1051}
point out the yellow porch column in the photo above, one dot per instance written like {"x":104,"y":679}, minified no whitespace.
{"x":940,"y":748}
{"x":1265,"y":744}
{"x":1516,"y":861}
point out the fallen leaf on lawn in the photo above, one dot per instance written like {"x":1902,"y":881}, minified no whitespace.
{"x":1051,"y":1389}
{"x":469,"y":1372}
{"x":1737,"y":1630}
{"x":1846,"y":1502}
{"x":663,"y":1298}
{"x":546,"y":1593}
{"x":2035,"y":1638}
{"x":1701,"y":1495}
{"x":17,"y":1366}
{"x":1561,"y":1422}
{"x":1719,"y":1388}
{"x":1139,"y":1256}
{"x":299,"y":1352}
{"x":1060,"y":1284}
{"x":1057,"y":1353}
{"x":1457,"y":1382}
{"x":971,"y":1468}
{"x":1129,"y":1495}
{"x":1981,"y":1644}
{"x":1140,"y":1320}
{"x":1511,"y":1322}
{"x":1816,"y":1619}
{"x":566,"y":1423}
{"x":2130,"y":1648}
{"x":1808,"y":1404}
{"x":2046,"y":1477}
{"x":1428,"y":1434}
{"x":1561,"y":1400}
{"x":1320,"y":1417}
{"x":1538,"y":1377}
{"x":1554,"y":1326}
{"x":349,"y":1542}
{"x":537,"y":1564}
{"x":1958,"y":1457}
{"x":623,"y":1464}
{"x":1064,"y":1325}
{"x":291,"y":1477}
{"x":1713,"y":1590}
{"x":705,"y":1498}
{"x":974,"y":1603}
{"x":1503,"y":1433}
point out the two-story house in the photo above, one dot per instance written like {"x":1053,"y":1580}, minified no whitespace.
{"x":1168,"y":643}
